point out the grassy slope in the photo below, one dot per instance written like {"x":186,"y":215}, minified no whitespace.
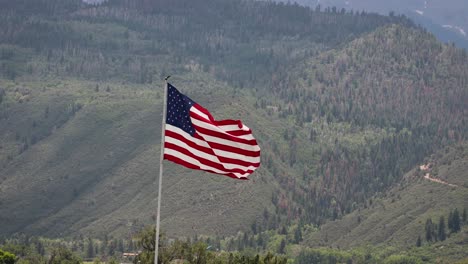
{"x":97,"y":172}
{"x":398,"y":217}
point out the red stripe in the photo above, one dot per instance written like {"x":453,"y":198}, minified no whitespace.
{"x":211,"y":152}
{"x":191,"y":166}
{"x":228,"y":122}
{"x":239,"y":151}
{"x":225,"y":136}
{"x":181,"y":162}
{"x":216,"y":122}
{"x":237,"y":133}
{"x":188,"y":142}
{"x":239,"y":162}
{"x":203,"y":110}
{"x":204,"y":161}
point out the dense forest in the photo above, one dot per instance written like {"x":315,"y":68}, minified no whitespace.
{"x":343,"y":104}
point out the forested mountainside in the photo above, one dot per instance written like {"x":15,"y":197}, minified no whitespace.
{"x":431,"y":191}
{"x":342,"y":104}
{"x":400,"y":101}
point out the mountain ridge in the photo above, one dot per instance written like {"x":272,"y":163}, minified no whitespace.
{"x":433,"y":15}
{"x":411,"y":202}
{"x":79,"y":115}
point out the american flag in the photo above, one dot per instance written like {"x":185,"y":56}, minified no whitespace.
{"x":194,"y":139}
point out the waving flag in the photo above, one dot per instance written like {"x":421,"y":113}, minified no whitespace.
{"x":194,"y":139}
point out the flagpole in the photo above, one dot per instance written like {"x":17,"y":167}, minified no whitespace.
{"x":156,"y":243}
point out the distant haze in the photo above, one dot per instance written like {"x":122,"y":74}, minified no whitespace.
{"x":451,"y":15}
{"x":94,"y":1}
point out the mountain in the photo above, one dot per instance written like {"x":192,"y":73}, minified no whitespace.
{"x":80,"y":108}
{"x":342,"y":104}
{"x":397,"y":217}
{"x":448,"y":20}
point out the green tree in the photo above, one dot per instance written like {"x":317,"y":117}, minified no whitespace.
{"x":298,"y":235}
{"x":2,"y":94}
{"x":429,"y":230}
{"x":456,"y":221}
{"x":441,"y":229}
{"x":90,"y":249}
{"x":282,"y":246}
{"x":418,"y":241}
{"x":7,"y":257}
{"x":62,"y":255}
{"x":450,"y":221}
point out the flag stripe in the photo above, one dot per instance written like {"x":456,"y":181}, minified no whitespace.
{"x":197,"y":164}
{"x":196,"y":141}
{"x":228,"y":127}
{"x":212,"y":130}
{"x":249,"y":155}
{"x":235,"y":127}
{"x":244,"y":136}
{"x":241,"y":134}
{"x":199,"y":111}
{"x":202,"y":161}
{"x":191,"y":166}
{"x":206,"y":154}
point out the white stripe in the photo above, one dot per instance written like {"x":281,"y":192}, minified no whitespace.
{"x":215,"y":128}
{"x":187,"y":136}
{"x":226,"y":142}
{"x":232,"y":155}
{"x":202,"y":166}
{"x":246,"y":137}
{"x":221,"y":153}
{"x":234,"y":128}
{"x":229,"y":143}
{"x":228,"y":128}
{"x":224,"y":128}
{"x":207,"y":156}
{"x":198,"y":112}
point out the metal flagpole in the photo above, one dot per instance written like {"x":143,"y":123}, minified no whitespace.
{"x":156,"y":244}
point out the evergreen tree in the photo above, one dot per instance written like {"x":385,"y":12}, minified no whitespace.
{"x":63,"y":255}
{"x":441,"y":229}
{"x":121,"y":246}
{"x":418,"y":241}
{"x":90,"y":250}
{"x":428,"y":230}
{"x":282,"y":246}
{"x":298,"y":235}
{"x":450,"y":221}
{"x":456,"y":221}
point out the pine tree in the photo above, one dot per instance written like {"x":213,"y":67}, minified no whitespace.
{"x":121,"y":246}
{"x":450,"y":221}
{"x":418,"y":241}
{"x":429,"y":230}
{"x":456,"y":221}
{"x":282,"y":246}
{"x":90,"y":250}
{"x":298,"y":235}
{"x":441,"y":229}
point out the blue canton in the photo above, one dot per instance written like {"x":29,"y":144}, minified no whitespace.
{"x":178,"y":110}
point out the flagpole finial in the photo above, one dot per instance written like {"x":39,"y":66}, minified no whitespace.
{"x":167,"y":78}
